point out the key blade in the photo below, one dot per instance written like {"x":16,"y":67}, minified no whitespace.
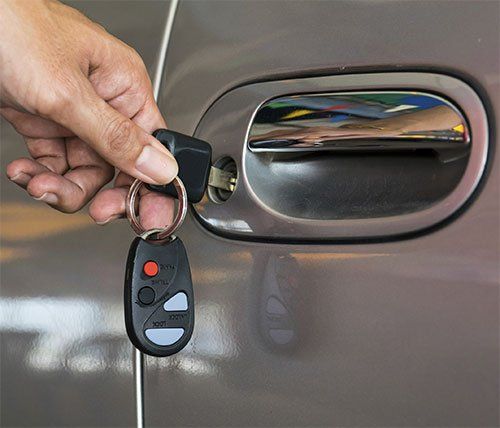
{"x":221,"y":179}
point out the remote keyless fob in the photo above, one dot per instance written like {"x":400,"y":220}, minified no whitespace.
{"x":159,"y":306}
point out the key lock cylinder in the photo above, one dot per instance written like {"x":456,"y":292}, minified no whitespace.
{"x":159,"y":303}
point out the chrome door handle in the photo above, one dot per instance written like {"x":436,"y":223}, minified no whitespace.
{"x":389,"y":120}
{"x":337,"y":157}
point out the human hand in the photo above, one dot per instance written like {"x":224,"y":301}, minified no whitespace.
{"x":84,"y":104}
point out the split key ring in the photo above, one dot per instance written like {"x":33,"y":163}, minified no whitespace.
{"x":159,"y":234}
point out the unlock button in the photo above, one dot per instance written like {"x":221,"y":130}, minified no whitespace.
{"x":178,"y":302}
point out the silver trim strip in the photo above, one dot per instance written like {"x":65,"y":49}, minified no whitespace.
{"x":160,"y":65}
{"x":138,"y":357}
{"x":139,"y":387}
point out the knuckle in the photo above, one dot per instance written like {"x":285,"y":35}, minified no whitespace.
{"x":73,"y":204}
{"x":70,"y":206}
{"x":55,"y":99}
{"x":71,"y":209}
{"x":134,"y":57}
{"x":136,"y":63}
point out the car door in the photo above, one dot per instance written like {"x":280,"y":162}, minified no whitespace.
{"x":300,"y":321}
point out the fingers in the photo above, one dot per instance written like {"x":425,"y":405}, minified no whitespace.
{"x":50,"y":153}
{"x":89,"y":172}
{"x":57,"y":191}
{"x":69,"y":192}
{"x":132,"y":95}
{"x":148,"y":117}
{"x":22,"y":170}
{"x":33,"y":126}
{"x":38,"y":180}
{"x":108,"y":205}
{"x":67,"y":178}
{"x":155,"y":209}
{"x":116,"y":138}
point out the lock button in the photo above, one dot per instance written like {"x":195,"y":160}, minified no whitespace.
{"x":151,"y":268}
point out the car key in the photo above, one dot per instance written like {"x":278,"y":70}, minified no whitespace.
{"x":194,"y":157}
{"x":159,"y":307}
{"x":158,"y":295}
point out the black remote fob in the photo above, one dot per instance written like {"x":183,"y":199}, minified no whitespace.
{"x":159,"y":311}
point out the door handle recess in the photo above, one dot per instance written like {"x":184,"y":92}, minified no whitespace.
{"x":345,"y":157}
{"x":360,"y":121}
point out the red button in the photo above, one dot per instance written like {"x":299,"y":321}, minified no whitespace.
{"x":150,"y":268}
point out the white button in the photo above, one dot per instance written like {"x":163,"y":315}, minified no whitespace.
{"x":178,"y":302}
{"x":281,"y":336}
{"x":164,"y":336}
{"x":275,"y":307}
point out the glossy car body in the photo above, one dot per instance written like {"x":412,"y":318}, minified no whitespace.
{"x":379,"y":332}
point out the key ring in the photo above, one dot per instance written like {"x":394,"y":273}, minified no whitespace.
{"x":161,"y":233}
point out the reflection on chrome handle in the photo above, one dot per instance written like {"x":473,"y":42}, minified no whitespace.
{"x":366,"y":121}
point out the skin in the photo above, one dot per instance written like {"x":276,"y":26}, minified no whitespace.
{"x":84,"y":103}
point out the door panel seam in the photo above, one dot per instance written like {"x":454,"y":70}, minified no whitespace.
{"x":157,"y":78}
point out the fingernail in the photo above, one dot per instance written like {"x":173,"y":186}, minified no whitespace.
{"x":49,"y":198}
{"x":159,"y":166}
{"x":108,"y":220}
{"x":21,"y":178}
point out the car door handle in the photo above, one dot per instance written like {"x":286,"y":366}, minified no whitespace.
{"x":354,"y":156}
{"x":357,"y":122}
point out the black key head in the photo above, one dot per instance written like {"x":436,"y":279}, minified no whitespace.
{"x":194,"y":158}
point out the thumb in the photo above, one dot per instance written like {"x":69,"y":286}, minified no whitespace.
{"x":115,"y":137}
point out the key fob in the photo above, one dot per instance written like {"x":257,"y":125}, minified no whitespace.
{"x":194,"y":158}
{"x":159,"y":305}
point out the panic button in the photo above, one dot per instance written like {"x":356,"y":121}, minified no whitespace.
{"x":150,"y":268}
